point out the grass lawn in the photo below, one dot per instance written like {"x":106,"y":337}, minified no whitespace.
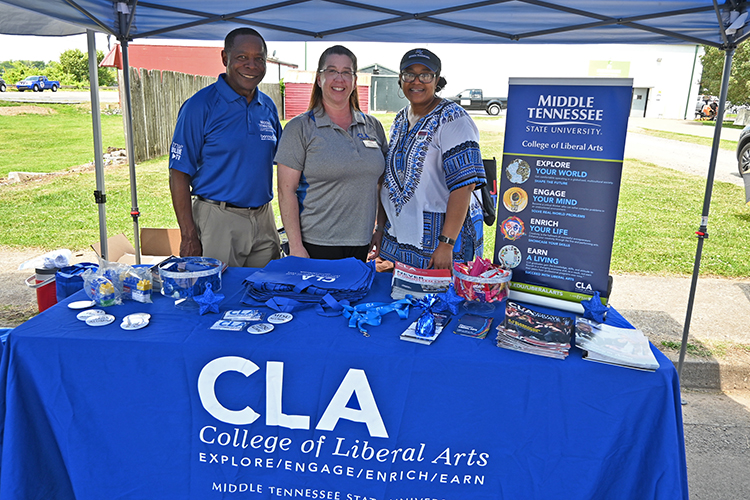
{"x":658,"y":214}
{"x":53,"y":142}
{"x":727,"y":144}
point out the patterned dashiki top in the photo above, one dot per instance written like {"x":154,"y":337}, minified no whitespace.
{"x":424,"y":164}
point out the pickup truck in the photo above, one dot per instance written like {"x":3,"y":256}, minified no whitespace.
{"x":474,"y":100}
{"x":37,"y":84}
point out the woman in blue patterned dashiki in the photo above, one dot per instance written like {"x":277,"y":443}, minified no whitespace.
{"x":429,"y":217}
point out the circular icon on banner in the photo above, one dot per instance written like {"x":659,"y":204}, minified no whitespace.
{"x":100,"y":320}
{"x":279,"y":318}
{"x":88,"y":313}
{"x":515,"y":199}
{"x":509,"y":256}
{"x":518,"y":171}
{"x":259,"y":328}
{"x":512,"y":228}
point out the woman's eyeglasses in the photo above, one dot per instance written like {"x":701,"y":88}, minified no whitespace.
{"x":331,"y":73}
{"x":423,"y":77}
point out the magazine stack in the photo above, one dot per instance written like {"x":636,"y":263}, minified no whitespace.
{"x":535,"y":331}
{"x":626,"y":347}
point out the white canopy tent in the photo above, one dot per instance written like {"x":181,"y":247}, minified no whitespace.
{"x":706,"y":22}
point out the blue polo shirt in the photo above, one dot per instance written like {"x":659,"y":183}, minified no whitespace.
{"x":226,"y":145}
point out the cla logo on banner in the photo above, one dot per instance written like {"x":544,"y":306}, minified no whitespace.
{"x":355,"y":382}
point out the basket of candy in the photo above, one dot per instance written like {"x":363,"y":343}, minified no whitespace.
{"x":481,"y":281}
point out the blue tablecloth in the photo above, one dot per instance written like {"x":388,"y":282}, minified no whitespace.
{"x":316,"y":410}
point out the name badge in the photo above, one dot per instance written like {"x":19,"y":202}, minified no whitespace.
{"x":370,"y":143}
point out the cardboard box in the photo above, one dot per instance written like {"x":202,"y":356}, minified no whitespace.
{"x":157,"y":244}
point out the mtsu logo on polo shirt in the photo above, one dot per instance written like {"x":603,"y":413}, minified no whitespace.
{"x":267,"y":133}
{"x":176,"y":150}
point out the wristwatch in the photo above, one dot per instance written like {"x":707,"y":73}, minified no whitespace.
{"x":445,"y":239}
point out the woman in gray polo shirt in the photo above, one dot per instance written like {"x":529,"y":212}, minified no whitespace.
{"x":330,"y":162}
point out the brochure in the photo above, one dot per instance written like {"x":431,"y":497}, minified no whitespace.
{"x":410,"y":334}
{"x":418,"y":282}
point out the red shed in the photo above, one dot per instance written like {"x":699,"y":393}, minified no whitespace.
{"x":193,"y":60}
{"x":298,"y":85}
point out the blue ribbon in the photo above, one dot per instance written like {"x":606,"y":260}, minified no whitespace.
{"x":371,"y":313}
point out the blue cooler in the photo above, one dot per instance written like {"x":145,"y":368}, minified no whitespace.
{"x":68,"y":280}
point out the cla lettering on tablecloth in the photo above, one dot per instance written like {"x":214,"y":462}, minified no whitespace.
{"x":354,"y":384}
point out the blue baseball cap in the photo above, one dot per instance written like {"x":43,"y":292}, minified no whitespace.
{"x":421,"y":56}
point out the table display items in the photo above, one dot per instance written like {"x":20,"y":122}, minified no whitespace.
{"x":184,"y":278}
{"x":81,"y":304}
{"x":535,"y":330}
{"x":86,"y":314}
{"x":135,"y":321}
{"x":437,"y":311}
{"x":593,"y":308}
{"x":100,"y":320}
{"x":209,"y":301}
{"x":112,"y":282}
{"x":411,"y":335}
{"x":626,"y":347}
{"x":481,"y":283}
{"x":294,"y":282}
{"x":408,"y":280}
{"x":244,"y":315}
{"x":474,"y":326}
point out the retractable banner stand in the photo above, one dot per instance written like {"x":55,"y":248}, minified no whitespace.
{"x":559,"y":186}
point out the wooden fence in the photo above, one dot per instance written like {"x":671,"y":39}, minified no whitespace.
{"x":156,"y":97}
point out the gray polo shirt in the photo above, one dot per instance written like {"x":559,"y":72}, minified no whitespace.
{"x":340,"y":168}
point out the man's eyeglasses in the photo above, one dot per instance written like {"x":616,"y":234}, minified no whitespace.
{"x":423,"y":77}
{"x":331,"y":73}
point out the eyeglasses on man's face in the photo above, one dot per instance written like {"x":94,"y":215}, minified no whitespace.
{"x":423,"y":77}
{"x":331,"y":73}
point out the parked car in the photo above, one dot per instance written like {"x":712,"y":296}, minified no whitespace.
{"x":2,"y":85}
{"x":473,"y":99}
{"x":37,"y":84}
{"x":743,"y":151}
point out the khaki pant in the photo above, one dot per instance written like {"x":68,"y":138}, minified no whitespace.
{"x":240,"y":237}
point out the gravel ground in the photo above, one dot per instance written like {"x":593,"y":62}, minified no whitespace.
{"x":18,"y":301}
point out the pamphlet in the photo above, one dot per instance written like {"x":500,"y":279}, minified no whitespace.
{"x":471,"y":325}
{"x":410,"y":334}
{"x":418,"y":282}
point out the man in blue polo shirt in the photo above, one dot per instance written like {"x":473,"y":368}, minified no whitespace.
{"x":221,"y":161}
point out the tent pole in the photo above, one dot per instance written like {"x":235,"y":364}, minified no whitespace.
{"x":96,"y":123}
{"x":127,"y":115}
{"x":703,"y":230}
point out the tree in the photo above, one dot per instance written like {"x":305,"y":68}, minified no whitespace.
{"x":738,"y":91}
{"x":74,"y":66}
{"x":18,"y":70}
